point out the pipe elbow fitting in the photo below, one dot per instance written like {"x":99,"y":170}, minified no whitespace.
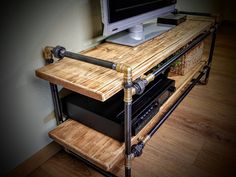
{"x":137,"y":149}
{"x":59,"y":51}
{"x":123,"y":68}
{"x":47,"y":53}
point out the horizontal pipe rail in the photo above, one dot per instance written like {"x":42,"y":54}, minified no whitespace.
{"x":196,"y":13}
{"x":178,"y":101}
{"x":137,"y":148}
{"x":95,"y":61}
{"x":167,"y":64}
{"x":98,"y":169}
{"x":60,"y":52}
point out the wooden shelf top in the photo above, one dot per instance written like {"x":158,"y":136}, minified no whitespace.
{"x":102,"y":150}
{"x":101,"y":83}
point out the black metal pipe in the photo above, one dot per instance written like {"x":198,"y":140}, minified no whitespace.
{"x":196,"y":13}
{"x":167,"y":64}
{"x":210,"y":55}
{"x":213,"y":41}
{"x":56,"y":103}
{"x":98,"y":169}
{"x":127,"y":172}
{"x":127,"y":122}
{"x":60,"y":52}
{"x":138,"y":148}
{"x":127,"y":131}
{"x":95,"y":61}
{"x":177,"y":102}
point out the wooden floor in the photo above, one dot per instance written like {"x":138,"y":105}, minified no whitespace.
{"x":198,"y":140}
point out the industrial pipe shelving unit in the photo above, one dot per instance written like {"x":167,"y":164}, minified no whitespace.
{"x":131,"y":88}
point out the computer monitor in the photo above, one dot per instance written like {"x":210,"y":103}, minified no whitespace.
{"x":118,"y":16}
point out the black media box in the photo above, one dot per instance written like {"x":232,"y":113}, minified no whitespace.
{"x":173,"y":19}
{"x":108,"y":117}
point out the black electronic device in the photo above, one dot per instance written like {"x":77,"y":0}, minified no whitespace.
{"x":108,"y":117}
{"x":172,"y":19}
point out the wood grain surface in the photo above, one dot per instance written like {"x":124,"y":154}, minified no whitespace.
{"x":101,"y":83}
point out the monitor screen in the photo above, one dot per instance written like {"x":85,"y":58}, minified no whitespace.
{"x":120,"y":10}
{"x":117,"y":16}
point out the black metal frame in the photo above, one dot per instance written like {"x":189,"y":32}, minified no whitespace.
{"x":196,"y":13}
{"x":56,"y":103}
{"x":211,"y":54}
{"x":60,"y":52}
{"x":96,"y":168}
{"x":177,"y":102}
{"x":137,"y":148}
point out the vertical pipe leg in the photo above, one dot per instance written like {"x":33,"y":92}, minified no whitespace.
{"x":210,"y":56}
{"x":128,"y":114}
{"x":48,"y":55}
{"x":56,"y":103}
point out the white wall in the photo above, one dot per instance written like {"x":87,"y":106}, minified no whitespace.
{"x":212,"y":6}
{"x":26,"y":27}
{"x":226,"y":8}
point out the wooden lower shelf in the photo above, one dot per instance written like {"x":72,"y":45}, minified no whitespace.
{"x":100,"y":149}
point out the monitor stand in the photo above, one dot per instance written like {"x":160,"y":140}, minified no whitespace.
{"x":139,"y":34}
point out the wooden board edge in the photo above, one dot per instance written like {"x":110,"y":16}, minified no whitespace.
{"x":78,"y":152}
{"x":79,"y":89}
{"x":105,"y":166}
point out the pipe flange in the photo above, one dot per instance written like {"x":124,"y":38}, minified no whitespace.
{"x":128,"y":85}
{"x":59,"y":51}
{"x":137,"y":149}
{"x":139,"y":85}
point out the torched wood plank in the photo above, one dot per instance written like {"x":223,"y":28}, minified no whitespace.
{"x":101,"y":83}
{"x":145,"y":56}
{"x":88,"y":143}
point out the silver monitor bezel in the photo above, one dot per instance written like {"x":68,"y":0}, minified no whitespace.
{"x":113,"y":28}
